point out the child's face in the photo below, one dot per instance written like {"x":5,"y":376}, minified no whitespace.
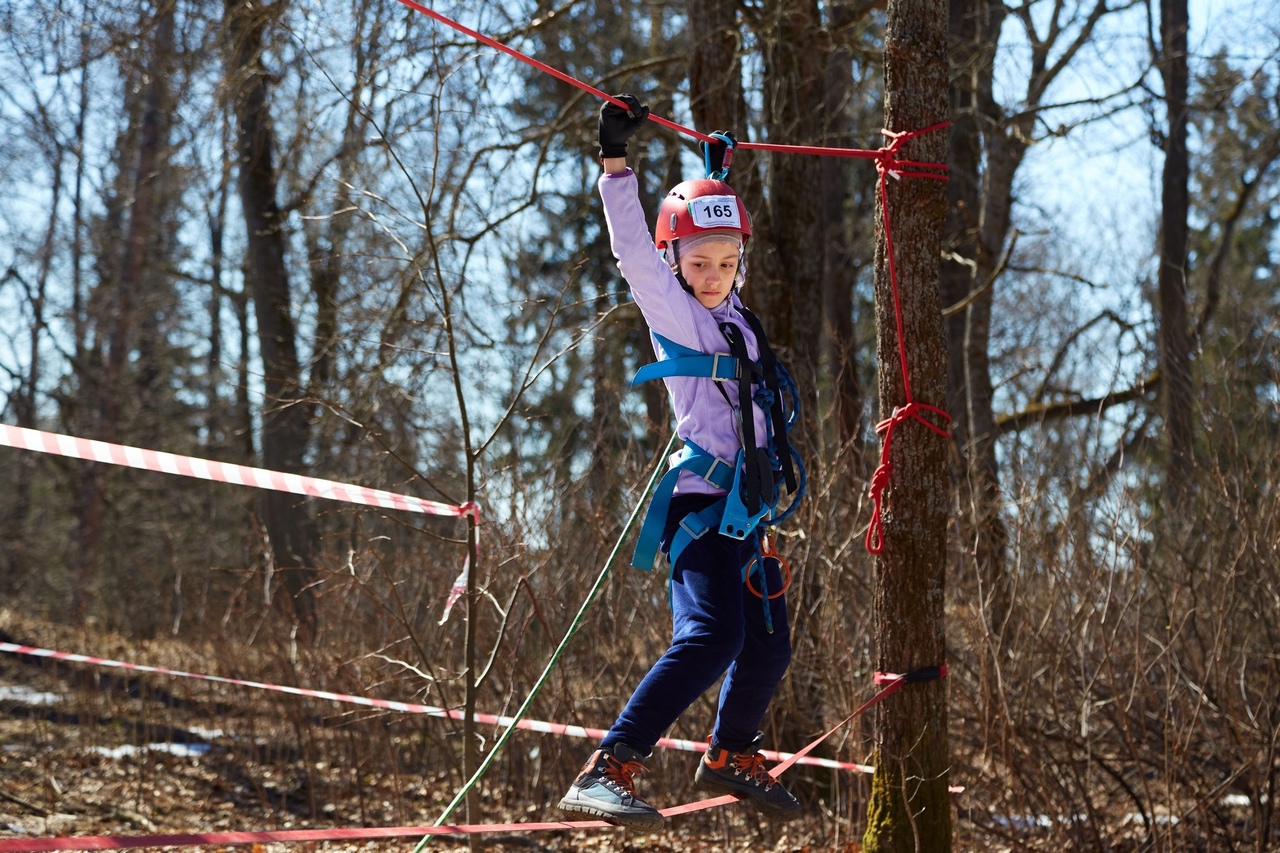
{"x":710,"y":270}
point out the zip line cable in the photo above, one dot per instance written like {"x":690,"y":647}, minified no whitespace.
{"x":592,"y":594}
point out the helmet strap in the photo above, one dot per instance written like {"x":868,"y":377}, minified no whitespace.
{"x":674,"y":245}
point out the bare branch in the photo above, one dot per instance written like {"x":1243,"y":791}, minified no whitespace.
{"x":1001,"y":265}
{"x":1035,"y":415}
{"x":1065,"y":346}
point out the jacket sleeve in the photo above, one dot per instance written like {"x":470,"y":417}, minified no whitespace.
{"x":666,"y":307}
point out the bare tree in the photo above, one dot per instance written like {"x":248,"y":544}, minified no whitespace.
{"x":843,"y":259}
{"x":983,"y":239}
{"x":1171,"y":285}
{"x":285,"y":425}
{"x":152,"y":142}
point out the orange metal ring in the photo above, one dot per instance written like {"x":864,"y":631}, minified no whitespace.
{"x":786,"y":575}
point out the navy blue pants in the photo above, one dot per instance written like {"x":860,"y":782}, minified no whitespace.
{"x":717,"y":625}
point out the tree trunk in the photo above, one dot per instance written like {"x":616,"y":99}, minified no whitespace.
{"x":1174,"y":338}
{"x":791,"y":299}
{"x":909,"y":808}
{"x":24,"y":401}
{"x":718,"y":101}
{"x":153,"y":137}
{"x":786,"y":274}
{"x":839,"y":275}
{"x":285,"y":426}
{"x":1006,"y":144}
{"x":716,"y":97}
{"x":608,"y":434}
{"x":960,"y":258}
{"x":327,"y":240}
{"x":242,"y":412}
{"x":216,"y":417}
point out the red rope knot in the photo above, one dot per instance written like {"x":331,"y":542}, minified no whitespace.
{"x":880,"y":479}
{"x":887,"y":162}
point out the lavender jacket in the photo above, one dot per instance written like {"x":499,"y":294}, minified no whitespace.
{"x":703,"y":416}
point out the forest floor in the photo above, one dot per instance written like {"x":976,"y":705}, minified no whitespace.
{"x":91,"y":752}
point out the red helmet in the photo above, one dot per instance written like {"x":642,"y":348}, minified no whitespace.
{"x":698,"y":207}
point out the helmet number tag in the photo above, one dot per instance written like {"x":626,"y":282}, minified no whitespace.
{"x":715,"y":211}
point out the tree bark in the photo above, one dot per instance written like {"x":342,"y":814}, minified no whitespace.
{"x":909,"y":809}
{"x":971,"y":68}
{"x":716,"y":97}
{"x":216,"y":417}
{"x":285,"y":426}
{"x":1171,"y":287}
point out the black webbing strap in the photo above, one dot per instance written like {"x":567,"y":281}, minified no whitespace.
{"x":769,"y":366}
{"x":757,"y":466}
{"x":915,"y":676}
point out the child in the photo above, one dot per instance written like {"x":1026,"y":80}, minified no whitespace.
{"x":688,"y":295}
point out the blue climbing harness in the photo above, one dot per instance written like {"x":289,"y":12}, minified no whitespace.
{"x":754,"y":480}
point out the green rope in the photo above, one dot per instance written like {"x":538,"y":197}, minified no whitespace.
{"x":555,"y":656}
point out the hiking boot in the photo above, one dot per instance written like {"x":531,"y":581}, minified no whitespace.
{"x":743,"y":773}
{"x":605,"y":789}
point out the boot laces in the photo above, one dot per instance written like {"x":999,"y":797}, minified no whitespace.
{"x":751,"y":765}
{"x":621,"y":774}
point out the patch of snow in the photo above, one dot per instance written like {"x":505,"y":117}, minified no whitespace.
{"x":27,"y":696}
{"x":1159,"y":819}
{"x":1022,"y":821}
{"x":185,"y":750}
{"x":208,"y":734}
{"x":1241,"y":801}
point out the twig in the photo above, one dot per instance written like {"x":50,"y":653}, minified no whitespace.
{"x":21,"y":802}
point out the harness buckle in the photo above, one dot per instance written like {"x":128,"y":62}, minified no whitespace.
{"x":715,"y":368}
{"x":711,"y":471}
{"x":693,"y":534}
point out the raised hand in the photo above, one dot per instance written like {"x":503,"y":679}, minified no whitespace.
{"x":617,"y":125}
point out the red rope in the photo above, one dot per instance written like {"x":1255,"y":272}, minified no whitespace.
{"x":818,"y":150}
{"x":888,"y":165}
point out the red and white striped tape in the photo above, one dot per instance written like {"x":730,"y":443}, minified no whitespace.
{"x":410,"y":707}
{"x":222,"y":472}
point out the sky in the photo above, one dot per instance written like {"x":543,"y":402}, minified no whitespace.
{"x":1102,"y":182}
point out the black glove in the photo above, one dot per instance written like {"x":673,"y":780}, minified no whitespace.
{"x":718,"y":155}
{"x":618,"y":125}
